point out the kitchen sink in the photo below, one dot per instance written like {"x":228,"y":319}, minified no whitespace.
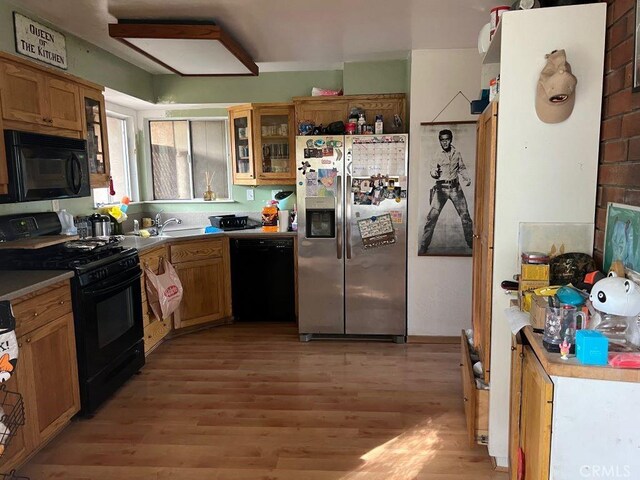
{"x":184,"y":232}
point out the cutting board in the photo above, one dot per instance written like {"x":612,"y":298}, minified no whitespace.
{"x":33,"y":243}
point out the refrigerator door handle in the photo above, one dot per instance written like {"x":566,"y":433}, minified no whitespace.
{"x":348,"y":222}
{"x":339,"y":219}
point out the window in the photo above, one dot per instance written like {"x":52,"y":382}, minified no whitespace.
{"x":119,"y":162}
{"x":182,"y":151}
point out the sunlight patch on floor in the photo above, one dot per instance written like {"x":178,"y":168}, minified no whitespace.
{"x":401,"y":457}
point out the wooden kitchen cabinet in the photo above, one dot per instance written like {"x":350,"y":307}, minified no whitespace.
{"x":567,"y":418}
{"x":48,"y":357}
{"x":155,"y":329}
{"x":326,"y":110}
{"x":46,"y":374}
{"x":535,"y":417}
{"x":263,"y":144}
{"x":29,"y":95}
{"x":204,"y":270}
{"x":4,"y":173}
{"x":94,"y":130}
{"x":484,"y":206}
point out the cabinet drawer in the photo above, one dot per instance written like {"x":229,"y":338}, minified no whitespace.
{"x":152,"y":258}
{"x":36,"y":310}
{"x":154,"y":332}
{"x":476,"y":401}
{"x":194,"y":251}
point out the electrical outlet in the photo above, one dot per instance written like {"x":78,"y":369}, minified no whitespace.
{"x":250,"y":194}
{"x":55,"y":205}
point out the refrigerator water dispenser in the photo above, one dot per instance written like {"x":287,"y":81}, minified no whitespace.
{"x":321,"y":217}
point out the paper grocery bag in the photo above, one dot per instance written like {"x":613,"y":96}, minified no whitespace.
{"x":164,"y":290}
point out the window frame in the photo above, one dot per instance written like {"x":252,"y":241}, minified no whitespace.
{"x":149,"y":161}
{"x":130,"y":117}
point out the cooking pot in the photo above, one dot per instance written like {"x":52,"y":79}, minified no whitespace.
{"x":100,"y":225}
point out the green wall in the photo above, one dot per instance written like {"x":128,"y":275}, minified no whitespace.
{"x":267,"y":87}
{"x":376,"y":77}
{"x":85,"y":60}
{"x":240,"y":203}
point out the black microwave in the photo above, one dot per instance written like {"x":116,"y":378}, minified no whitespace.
{"x":45,"y":167}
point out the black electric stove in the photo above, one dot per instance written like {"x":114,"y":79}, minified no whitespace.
{"x":107,"y":301}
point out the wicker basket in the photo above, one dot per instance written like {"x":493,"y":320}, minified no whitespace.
{"x":12,"y":416}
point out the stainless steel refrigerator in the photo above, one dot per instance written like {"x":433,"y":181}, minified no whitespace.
{"x":352,"y":242}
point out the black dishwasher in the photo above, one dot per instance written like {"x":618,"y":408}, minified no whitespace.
{"x":263,"y":279}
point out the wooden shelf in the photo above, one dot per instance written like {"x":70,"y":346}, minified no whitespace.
{"x":493,"y":53}
{"x":275,"y":137}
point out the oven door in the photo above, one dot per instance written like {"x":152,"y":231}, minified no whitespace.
{"x":109,"y":320}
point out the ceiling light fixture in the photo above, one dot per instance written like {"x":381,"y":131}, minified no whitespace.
{"x":187,"y":48}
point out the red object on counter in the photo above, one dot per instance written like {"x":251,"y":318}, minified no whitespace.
{"x":625,"y":360}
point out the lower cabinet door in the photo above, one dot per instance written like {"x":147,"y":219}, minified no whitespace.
{"x":203,"y":298}
{"x":52,"y":397}
{"x":535,"y":417}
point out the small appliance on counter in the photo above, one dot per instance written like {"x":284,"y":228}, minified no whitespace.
{"x":100,"y":225}
{"x":286,"y":200}
{"x":232,"y":222}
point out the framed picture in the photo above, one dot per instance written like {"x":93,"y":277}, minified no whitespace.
{"x":446,"y":188}
{"x":622,"y":237}
{"x":636,"y":54}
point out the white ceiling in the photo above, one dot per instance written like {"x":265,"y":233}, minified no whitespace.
{"x":288,"y":34}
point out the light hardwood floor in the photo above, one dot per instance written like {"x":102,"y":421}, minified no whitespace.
{"x":251,"y":402}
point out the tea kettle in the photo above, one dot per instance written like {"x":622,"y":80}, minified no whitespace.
{"x":100,"y":225}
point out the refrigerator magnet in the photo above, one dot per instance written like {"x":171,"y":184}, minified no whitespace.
{"x":311,"y":184}
{"x":396,"y":216}
{"x":327,"y":182}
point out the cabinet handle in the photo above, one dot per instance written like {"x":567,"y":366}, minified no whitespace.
{"x":61,"y":302}
{"x":465,"y":399}
{"x":35,"y":314}
{"x":20,"y":345}
{"x":28,"y":340}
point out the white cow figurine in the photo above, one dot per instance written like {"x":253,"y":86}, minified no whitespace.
{"x":615,"y":295}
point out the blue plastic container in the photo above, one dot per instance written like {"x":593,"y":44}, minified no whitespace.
{"x":592,"y":348}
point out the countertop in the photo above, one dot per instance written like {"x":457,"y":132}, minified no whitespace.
{"x":554,"y":365}
{"x":143,"y":244}
{"x":16,"y":283}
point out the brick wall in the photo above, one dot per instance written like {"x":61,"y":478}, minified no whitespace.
{"x":619,"y":169}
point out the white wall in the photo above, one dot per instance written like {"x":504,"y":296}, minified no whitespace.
{"x":439,"y":288}
{"x":544,"y":173}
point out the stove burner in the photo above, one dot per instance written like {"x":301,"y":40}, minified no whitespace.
{"x":91,"y":243}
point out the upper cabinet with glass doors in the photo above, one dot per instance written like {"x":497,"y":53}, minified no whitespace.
{"x":262,"y":140}
{"x":95,"y":132}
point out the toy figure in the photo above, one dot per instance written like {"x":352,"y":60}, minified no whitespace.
{"x":8,"y":342}
{"x":617,"y":296}
{"x":565,"y":347}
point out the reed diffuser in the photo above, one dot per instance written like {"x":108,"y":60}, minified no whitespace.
{"x":209,"y":194}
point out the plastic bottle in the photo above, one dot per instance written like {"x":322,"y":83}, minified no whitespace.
{"x":270,"y":216}
{"x":379,"y":125}
{"x":361,"y":124}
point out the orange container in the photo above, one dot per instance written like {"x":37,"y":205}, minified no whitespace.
{"x":270,"y":217}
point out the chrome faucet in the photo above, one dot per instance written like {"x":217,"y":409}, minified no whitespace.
{"x":168,"y":221}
